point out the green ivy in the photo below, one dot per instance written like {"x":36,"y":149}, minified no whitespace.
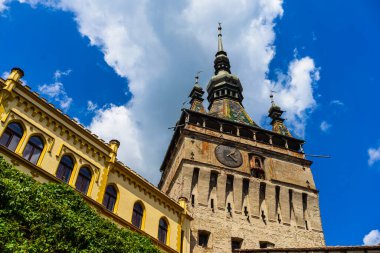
{"x":52,"y":217}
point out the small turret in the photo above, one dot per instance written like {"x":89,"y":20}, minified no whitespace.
{"x":277,"y":122}
{"x":196,"y":102}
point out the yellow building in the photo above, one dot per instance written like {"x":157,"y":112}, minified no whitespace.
{"x":42,"y":141}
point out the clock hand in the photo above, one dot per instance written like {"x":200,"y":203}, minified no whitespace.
{"x":233,"y":158}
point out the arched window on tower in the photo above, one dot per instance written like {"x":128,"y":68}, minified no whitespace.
{"x":137,"y":216}
{"x":110,"y":197}
{"x":33,"y":149}
{"x":83,"y":180}
{"x":256,"y":167}
{"x":65,"y":168}
{"x":11,"y":136}
{"x":163,"y":230}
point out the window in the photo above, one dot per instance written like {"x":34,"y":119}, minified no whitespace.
{"x":230,"y":184}
{"x":213,"y":179}
{"x":137,"y":216}
{"x":236,"y":243}
{"x":203,"y":237}
{"x":33,"y":149}
{"x":11,"y":136}
{"x":65,"y":168}
{"x":83,"y":180}
{"x":264,"y":245}
{"x":162,"y":230}
{"x":109,"y":199}
{"x":245,"y":187}
{"x":256,"y":165}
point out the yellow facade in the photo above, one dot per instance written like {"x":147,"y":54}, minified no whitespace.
{"x":62,"y":136}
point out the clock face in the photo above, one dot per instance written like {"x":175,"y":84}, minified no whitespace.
{"x":228,"y":156}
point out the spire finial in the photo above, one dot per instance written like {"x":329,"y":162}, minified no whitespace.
{"x":271,"y":97}
{"x":197,"y":78}
{"x":220,"y":43}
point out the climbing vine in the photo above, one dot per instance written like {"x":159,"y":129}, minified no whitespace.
{"x":52,"y":217}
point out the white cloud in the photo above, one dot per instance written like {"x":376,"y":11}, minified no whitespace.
{"x":91,"y":106}
{"x":325,"y":126}
{"x":57,"y":91}
{"x":374,"y":155}
{"x":58,"y":74}
{"x":159,"y":45}
{"x":3,"y":6}
{"x":337,"y":102}
{"x":295,"y":92}
{"x":372,"y":238}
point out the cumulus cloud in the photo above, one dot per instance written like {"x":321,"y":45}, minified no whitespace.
{"x":325,"y":126}
{"x":374,"y":155}
{"x":295,"y":92}
{"x":372,"y":238}
{"x":158,"y":47}
{"x":56,"y":90}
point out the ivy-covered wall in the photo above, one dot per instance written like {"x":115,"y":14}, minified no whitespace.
{"x":52,"y":217}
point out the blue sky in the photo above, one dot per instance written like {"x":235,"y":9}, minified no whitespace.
{"x":124,"y":71}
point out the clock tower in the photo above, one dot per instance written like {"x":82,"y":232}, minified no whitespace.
{"x":246,"y":186}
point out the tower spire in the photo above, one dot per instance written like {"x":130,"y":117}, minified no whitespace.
{"x":220,"y":42}
{"x":221,"y":62}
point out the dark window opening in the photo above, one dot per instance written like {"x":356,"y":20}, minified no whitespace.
{"x":163,"y":231}
{"x":192,"y":200}
{"x":264,"y":245}
{"x":33,"y":149}
{"x":262,"y":191}
{"x":236,"y":243}
{"x":195,"y":177}
{"x":304,"y":201}
{"x":228,"y":129}
{"x":278,"y":141}
{"x":83,"y":180}
{"x":245,"y":133}
{"x":109,"y":199}
{"x":65,"y":168}
{"x":212,"y":125}
{"x":203,"y":237}
{"x":245,"y":187}
{"x":137,"y":216}
{"x":229,"y":184}
{"x":213,"y":179}
{"x":11,"y":136}
{"x":212,"y":204}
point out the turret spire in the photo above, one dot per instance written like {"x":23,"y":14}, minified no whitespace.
{"x":196,"y":96}
{"x":277,"y":122}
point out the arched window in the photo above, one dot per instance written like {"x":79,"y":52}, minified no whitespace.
{"x":11,"y":136}
{"x":109,"y":199}
{"x":33,"y":149}
{"x":83,"y":180}
{"x":137,"y":216}
{"x":65,"y":168}
{"x":162,"y":230}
